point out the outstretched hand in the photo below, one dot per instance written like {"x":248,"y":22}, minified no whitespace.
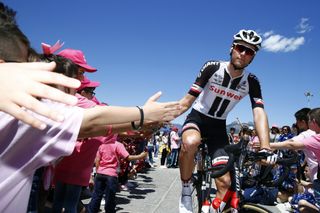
{"x":22,"y":83}
{"x":156,"y":111}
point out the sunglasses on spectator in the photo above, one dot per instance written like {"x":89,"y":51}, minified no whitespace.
{"x":241,"y":48}
{"x":89,"y":91}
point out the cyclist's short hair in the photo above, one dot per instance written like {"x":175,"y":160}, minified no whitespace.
{"x":314,"y":114}
{"x":302,"y":114}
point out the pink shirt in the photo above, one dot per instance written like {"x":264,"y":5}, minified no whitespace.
{"x":76,"y":168}
{"x":175,"y":140}
{"x":109,"y":155}
{"x":310,"y":156}
{"x":313,"y":144}
{"x":24,"y":149}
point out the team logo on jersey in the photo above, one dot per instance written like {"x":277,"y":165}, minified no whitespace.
{"x":242,"y":85}
{"x":217,"y":79}
{"x":209,"y":63}
{"x":228,"y":94}
{"x":258,"y":101}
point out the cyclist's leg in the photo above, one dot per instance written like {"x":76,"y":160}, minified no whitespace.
{"x":191,"y":139}
{"x":186,"y":166}
{"x":223,"y":183}
{"x":217,"y":139}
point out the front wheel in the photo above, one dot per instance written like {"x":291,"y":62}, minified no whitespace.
{"x":196,"y":193}
{"x":253,"y":208}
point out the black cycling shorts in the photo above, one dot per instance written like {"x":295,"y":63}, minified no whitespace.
{"x":213,"y":131}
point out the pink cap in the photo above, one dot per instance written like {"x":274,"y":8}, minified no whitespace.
{"x":87,"y":83}
{"x":78,"y":58}
{"x":275,"y":126}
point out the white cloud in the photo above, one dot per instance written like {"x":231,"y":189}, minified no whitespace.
{"x":267,"y":34}
{"x":304,"y":26}
{"x":278,"y":43}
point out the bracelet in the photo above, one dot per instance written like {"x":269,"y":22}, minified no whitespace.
{"x":141,"y":120}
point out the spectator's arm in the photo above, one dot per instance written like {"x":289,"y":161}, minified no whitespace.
{"x":296,"y":145}
{"x":142,"y":155}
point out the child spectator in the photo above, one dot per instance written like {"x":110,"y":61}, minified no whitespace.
{"x":310,"y":145}
{"x":106,"y":180}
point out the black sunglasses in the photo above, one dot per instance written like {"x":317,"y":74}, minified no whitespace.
{"x":90,"y":91}
{"x":241,"y":48}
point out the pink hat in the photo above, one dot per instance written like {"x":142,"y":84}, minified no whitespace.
{"x":87,"y":83}
{"x":78,"y":58}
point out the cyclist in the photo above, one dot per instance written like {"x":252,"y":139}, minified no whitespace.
{"x":219,"y":86}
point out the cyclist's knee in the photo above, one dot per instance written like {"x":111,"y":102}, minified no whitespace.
{"x":190,"y":143}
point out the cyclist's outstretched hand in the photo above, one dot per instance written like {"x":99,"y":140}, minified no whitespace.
{"x":22,"y":83}
{"x":271,"y":157}
{"x":156,"y":111}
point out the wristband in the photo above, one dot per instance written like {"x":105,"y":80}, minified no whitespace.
{"x":141,"y":120}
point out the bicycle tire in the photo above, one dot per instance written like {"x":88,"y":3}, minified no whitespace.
{"x":196,"y":205}
{"x":253,"y":208}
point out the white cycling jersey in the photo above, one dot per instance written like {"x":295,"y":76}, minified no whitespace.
{"x":218,"y":92}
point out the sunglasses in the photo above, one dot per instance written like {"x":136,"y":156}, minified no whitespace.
{"x":241,"y":48}
{"x":89,"y":91}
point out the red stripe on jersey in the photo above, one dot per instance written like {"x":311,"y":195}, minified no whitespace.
{"x":222,"y":162}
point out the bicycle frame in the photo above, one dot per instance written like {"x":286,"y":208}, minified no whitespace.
{"x":237,"y":155}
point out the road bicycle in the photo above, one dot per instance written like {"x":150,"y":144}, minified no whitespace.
{"x":204,"y":188}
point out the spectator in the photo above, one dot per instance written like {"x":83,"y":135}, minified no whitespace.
{"x":309,"y":144}
{"x":164,"y":149}
{"x":233,"y":138}
{"x":157,"y":140}
{"x":274,"y":133}
{"x":175,"y":147}
{"x":28,"y":80}
{"x":56,"y":139}
{"x":150,"y":147}
{"x":285,"y":134}
{"x":106,"y":181}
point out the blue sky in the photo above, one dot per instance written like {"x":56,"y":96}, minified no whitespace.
{"x":141,"y":47}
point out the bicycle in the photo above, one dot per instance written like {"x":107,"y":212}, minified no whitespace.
{"x":202,"y":195}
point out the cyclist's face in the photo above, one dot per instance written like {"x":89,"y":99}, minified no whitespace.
{"x":242,"y":55}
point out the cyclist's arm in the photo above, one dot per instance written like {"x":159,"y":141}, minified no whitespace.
{"x":207,"y":70}
{"x":259,"y":114}
{"x":296,"y":145}
{"x":262,"y":127}
{"x":186,"y":102}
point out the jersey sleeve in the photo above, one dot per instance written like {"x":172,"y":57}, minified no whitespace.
{"x":204,"y":75}
{"x":255,"y":91}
